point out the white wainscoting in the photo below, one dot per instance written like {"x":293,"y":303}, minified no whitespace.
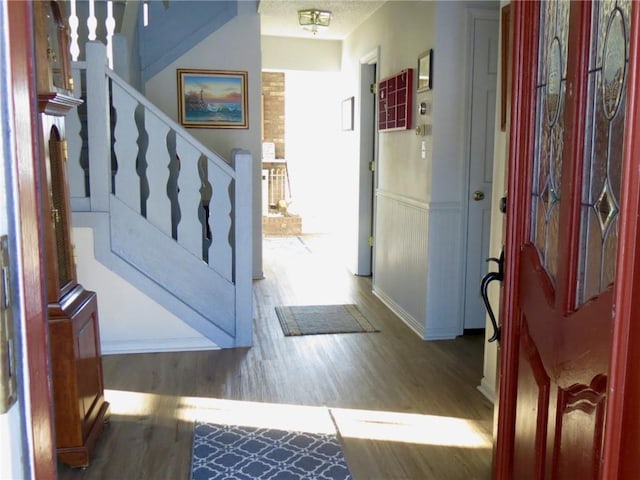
{"x":418,"y":266}
{"x":445,"y":275}
{"x":400,"y":250}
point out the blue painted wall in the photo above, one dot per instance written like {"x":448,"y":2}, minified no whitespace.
{"x":173,"y":31}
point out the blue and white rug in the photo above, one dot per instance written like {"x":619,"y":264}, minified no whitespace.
{"x":230,"y":452}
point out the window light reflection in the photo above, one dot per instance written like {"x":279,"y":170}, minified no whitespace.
{"x":411,"y":428}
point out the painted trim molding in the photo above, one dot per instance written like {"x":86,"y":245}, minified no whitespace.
{"x":415,"y":325}
{"x":486,"y":389}
{"x":156,"y":345}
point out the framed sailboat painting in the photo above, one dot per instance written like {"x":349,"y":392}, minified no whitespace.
{"x":212,"y":99}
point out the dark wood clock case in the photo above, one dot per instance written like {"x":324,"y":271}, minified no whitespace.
{"x":78,"y":390}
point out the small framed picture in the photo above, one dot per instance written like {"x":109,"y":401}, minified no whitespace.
{"x":347,"y":113}
{"x":425,"y":71}
{"x":212,"y":99}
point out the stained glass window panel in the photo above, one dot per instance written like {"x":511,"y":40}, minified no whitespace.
{"x":550,"y":100}
{"x":607,"y":77}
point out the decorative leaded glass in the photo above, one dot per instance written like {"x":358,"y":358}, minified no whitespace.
{"x":606,"y":104}
{"x":550,"y":101}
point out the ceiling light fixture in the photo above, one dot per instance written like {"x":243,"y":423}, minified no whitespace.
{"x":314,"y":20}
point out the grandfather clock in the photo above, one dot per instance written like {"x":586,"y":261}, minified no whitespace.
{"x":78,"y":391}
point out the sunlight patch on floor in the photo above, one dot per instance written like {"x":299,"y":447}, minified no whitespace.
{"x":410,"y":428}
{"x":296,"y":418}
{"x":351,"y":423}
{"x":123,"y":402}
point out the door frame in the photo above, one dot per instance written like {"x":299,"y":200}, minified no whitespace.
{"x":368,"y":148}
{"x":522,"y":102}
{"x":472,"y":14}
{"x":620,"y":436}
{"x":35,"y":392}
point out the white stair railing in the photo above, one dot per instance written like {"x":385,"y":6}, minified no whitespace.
{"x":100,"y":25}
{"x":139,"y":155}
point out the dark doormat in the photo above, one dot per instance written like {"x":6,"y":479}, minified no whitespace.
{"x":320,"y":319}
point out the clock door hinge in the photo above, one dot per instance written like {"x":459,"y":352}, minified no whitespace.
{"x":371,"y":241}
{"x":372,"y":166}
{"x":373,"y":88}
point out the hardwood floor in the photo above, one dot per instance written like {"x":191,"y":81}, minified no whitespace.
{"x":403,"y":408}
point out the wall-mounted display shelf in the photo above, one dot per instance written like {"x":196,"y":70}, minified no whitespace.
{"x":395,"y":100}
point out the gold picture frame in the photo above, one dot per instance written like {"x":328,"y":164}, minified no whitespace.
{"x":212,"y":98}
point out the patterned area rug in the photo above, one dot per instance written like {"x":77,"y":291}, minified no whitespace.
{"x":318,"y":319}
{"x":228,"y":452}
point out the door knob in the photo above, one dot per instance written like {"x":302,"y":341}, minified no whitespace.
{"x":478,"y":195}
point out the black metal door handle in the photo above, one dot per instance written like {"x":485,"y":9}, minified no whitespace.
{"x":484,"y":285}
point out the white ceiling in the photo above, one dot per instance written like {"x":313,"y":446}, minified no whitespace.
{"x":280,"y":17}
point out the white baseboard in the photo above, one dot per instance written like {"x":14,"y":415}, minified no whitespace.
{"x":487,"y":390}
{"x":154,"y":345}
{"x":441,"y":334}
{"x":410,"y":321}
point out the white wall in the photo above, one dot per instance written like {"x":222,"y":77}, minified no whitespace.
{"x":235,"y":46}
{"x":419,"y":233}
{"x":153,"y":328}
{"x":401,"y":31}
{"x":288,"y":53}
{"x":11,"y":439}
{"x":452,"y":60}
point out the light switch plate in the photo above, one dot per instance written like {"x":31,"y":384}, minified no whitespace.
{"x":8,"y":390}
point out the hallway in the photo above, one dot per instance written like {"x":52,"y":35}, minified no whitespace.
{"x":404,"y":408}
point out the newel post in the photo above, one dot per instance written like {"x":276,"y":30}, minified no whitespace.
{"x":98,"y":127}
{"x":243,"y":252}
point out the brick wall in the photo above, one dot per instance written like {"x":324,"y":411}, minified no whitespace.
{"x":273,"y":110}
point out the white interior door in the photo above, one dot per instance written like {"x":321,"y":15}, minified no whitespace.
{"x":481,"y":135}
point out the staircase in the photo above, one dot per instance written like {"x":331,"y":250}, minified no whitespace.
{"x":169,"y":216}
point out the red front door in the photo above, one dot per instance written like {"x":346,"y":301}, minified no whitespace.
{"x":564,"y":220}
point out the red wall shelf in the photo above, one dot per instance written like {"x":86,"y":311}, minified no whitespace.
{"x":395,"y":101}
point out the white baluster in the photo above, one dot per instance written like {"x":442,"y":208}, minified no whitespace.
{"x":220,"y":252}
{"x":74,"y":23}
{"x":110,"y":23}
{"x":92,"y":21}
{"x":126,"y":147}
{"x":158,"y":203}
{"x":189,"y":198}
{"x":145,"y":13}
